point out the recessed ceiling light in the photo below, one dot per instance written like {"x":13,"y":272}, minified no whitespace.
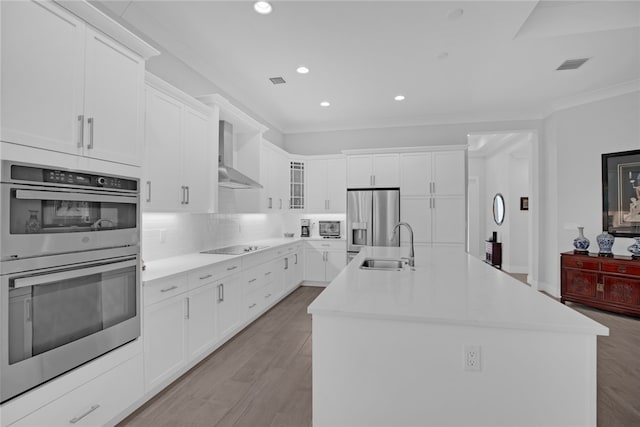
{"x":262,"y":7}
{"x":325,"y":103}
{"x":399,"y":98}
{"x":302,"y":70}
{"x":454,"y":14}
{"x":443,"y":55}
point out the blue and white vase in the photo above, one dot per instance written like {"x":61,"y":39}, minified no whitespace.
{"x":605,"y":243}
{"x":635,"y":248}
{"x":581,"y":243}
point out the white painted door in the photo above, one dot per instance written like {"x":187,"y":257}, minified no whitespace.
{"x":42,"y":76}
{"x":164,"y":340}
{"x":449,"y":173}
{"x":336,"y":185}
{"x":114,"y":97}
{"x":449,"y":219}
{"x":316,"y":178}
{"x":229,"y":298}
{"x":163,"y":153}
{"x":415,"y":174}
{"x":386,"y":170}
{"x":417,"y":212}
{"x":201,"y":317}
{"x":197,"y":163}
{"x":359,"y":171}
{"x":335,"y":262}
{"x":314,"y":265}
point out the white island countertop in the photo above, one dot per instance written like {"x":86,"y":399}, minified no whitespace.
{"x":447,"y":286}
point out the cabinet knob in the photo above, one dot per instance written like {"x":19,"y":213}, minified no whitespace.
{"x":622,"y":268}
{"x":579,"y":264}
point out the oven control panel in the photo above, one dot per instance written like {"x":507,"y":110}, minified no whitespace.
{"x":80,"y":179}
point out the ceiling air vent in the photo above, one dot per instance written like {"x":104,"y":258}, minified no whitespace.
{"x":572,"y":64}
{"x":277,"y":80}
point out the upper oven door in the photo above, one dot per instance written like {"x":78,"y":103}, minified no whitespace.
{"x":45,"y":220}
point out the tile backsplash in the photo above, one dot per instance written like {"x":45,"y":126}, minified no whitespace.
{"x":171,"y":234}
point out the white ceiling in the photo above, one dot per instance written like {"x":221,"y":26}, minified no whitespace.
{"x":501,"y":62}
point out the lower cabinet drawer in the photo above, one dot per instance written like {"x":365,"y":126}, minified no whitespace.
{"x":94,"y":403}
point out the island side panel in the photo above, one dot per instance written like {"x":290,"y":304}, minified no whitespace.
{"x":369,"y":372}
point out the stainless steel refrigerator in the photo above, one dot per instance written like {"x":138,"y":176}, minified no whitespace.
{"x":371,"y":217}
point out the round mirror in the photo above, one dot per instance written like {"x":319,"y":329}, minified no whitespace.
{"x":498,"y":208}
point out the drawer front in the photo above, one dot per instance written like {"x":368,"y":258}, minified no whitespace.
{"x":621,"y":290}
{"x":579,"y":283}
{"x":94,"y":403}
{"x":213,"y":272}
{"x":579,"y":262}
{"x":328,"y":244}
{"x":161,"y":289}
{"x":255,"y":259}
{"x":621,"y":268}
{"x":253,"y":279}
{"x":254,"y":302}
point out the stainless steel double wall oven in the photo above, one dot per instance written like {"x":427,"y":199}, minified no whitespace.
{"x":69,"y":271}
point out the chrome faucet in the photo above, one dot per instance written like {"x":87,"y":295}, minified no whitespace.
{"x":411,"y":251}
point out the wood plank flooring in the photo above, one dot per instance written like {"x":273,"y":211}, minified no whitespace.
{"x":262,"y":377}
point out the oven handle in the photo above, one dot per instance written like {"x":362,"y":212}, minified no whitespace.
{"x":43,"y":279}
{"x":80,"y":197}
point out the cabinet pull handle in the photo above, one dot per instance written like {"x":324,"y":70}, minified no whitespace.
{"x":434,"y":203}
{"x":296,"y":255}
{"x":622,"y":268}
{"x":325,"y":244}
{"x":286,"y":263}
{"x":148,"y":191}
{"x":188,"y":195}
{"x":434,"y":187}
{"x":280,"y":203}
{"x":84,"y":414}
{"x":374,"y":180}
{"x":206,"y":276}
{"x":328,"y":204}
{"x":186,"y":315}
{"x":169,"y":288}
{"x":267,"y":273}
{"x":252,"y":305}
{"x":232,"y":268}
{"x":221,"y":292}
{"x":270,"y":203}
{"x":252,"y":280}
{"x":81,"y":131}
{"x":267,"y":296}
{"x":90,"y":121}
{"x":579,"y":263}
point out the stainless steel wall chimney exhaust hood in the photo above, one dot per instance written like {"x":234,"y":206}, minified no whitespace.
{"x":228,"y":176}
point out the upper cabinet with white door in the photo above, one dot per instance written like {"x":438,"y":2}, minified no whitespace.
{"x":69,"y":87}
{"x":180,"y":155}
{"x":326,"y":184}
{"x":372,"y":170}
{"x":436,"y":173}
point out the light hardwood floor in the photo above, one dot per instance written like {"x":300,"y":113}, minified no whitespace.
{"x":262,"y":377}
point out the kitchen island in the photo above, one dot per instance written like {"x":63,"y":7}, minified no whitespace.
{"x":393,"y":348}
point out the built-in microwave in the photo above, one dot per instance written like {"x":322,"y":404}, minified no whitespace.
{"x":46,"y":211}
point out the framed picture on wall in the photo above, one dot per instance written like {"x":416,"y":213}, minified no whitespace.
{"x":524,"y":203}
{"x":621,"y":193}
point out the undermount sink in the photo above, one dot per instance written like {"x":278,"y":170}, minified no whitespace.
{"x":383,"y":264}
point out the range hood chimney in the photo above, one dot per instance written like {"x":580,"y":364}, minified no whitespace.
{"x":228,"y":176}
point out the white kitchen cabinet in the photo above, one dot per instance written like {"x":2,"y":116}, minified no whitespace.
{"x":178,"y":160}
{"x":323,"y":260}
{"x":228,"y":303}
{"x":294,"y":269}
{"x":67,"y":87}
{"x":94,"y":403}
{"x":373,"y":170}
{"x":438,"y":173}
{"x":165,"y":338}
{"x":274,"y":165}
{"x":438,"y":220}
{"x":201,"y":317}
{"x":326,"y":185}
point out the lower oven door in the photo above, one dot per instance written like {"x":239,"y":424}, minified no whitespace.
{"x":55,"y":319}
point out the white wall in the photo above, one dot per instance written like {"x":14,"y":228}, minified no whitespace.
{"x":412,"y":136}
{"x":570,"y":175}
{"x":519,"y":220}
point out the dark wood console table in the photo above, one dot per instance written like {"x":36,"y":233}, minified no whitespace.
{"x":493,"y":253}
{"x":607,"y":283}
